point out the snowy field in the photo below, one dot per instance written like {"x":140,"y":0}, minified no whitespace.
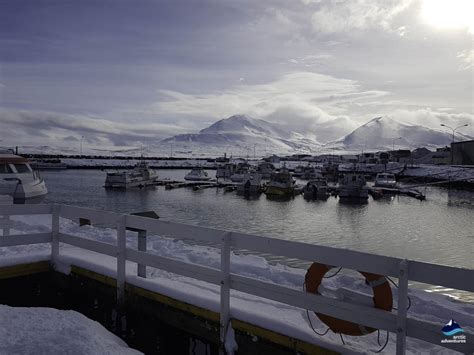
{"x":51,"y":331}
{"x":275,"y":316}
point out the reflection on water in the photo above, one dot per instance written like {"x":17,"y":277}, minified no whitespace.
{"x":438,"y":230}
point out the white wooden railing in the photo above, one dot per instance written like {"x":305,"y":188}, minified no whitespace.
{"x":405,"y":270}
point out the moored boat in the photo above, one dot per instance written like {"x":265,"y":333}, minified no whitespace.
{"x":353,"y":188}
{"x":251,"y":184}
{"x":316,"y":189}
{"x":281,"y":183}
{"x":387,"y":180}
{"x":18,"y":179}
{"x":241,"y":170}
{"x":225,"y":171}
{"x":265,"y":169}
{"x":140,"y":176}
{"x":197,"y":174}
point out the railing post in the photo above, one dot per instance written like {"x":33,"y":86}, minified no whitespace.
{"x":54,"y":234}
{"x":402,"y":307}
{"x":225,"y":287}
{"x":6,"y":225}
{"x":121,"y":246}
{"x":142,"y":247}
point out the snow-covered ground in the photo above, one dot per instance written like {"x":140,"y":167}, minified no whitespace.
{"x":275,"y":316}
{"x":442,"y":172}
{"x":52,"y":331}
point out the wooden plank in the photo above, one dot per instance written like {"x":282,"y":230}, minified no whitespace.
{"x":11,"y":210}
{"x":225,"y":286}
{"x":8,"y":272}
{"x":441,"y":275}
{"x":176,"y":230}
{"x":55,"y":233}
{"x":25,"y":239}
{"x":402,"y":308}
{"x":194,"y":271}
{"x":92,"y":245}
{"x":121,"y":258}
{"x":327,"y":255}
{"x":367,"y":316}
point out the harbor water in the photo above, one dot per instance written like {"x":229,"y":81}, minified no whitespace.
{"x":437,"y":230}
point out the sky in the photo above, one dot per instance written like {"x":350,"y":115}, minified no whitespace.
{"x":124,"y":73}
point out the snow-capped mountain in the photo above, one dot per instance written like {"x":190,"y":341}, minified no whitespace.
{"x":384,"y":133}
{"x":241,"y":134}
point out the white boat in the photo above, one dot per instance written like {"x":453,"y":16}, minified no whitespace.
{"x":251,"y":184}
{"x":265,"y":169}
{"x":241,"y":170}
{"x":48,"y":164}
{"x":140,"y":176}
{"x":316,"y":189}
{"x":353,"y":188}
{"x":385,"y":180}
{"x":225,"y":171}
{"x":197,"y":174}
{"x":281,"y":183}
{"x":18,"y":179}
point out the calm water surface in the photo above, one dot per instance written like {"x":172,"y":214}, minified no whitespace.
{"x":440,"y":229}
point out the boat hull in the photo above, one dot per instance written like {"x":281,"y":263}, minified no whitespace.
{"x":279,"y":190}
{"x":25,"y":189}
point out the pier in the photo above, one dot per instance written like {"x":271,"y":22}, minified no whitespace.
{"x":117,"y":263}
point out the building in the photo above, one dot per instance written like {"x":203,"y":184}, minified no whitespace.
{"x":462,"y":153}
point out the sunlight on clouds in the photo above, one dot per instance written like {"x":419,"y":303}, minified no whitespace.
{"x":344,"y":16}
{"x":467,"y":59}
{"x":449,"y":14}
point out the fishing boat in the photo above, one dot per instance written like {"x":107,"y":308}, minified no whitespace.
{"x":251,"y":184}
{"x":225,"y":171}
{"x":387,"y":180}
{"x":281,"y":183}
{"x":140,"y":176}
{"x":18,"y":179}
{"x":197,"y":174}
{"x":241,"y":170}
{"x":316,"y":189}
{"x":265,"y":169}
{"x":353,"y":188}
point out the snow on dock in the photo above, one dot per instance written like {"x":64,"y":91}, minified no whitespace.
{"x":279,"y":317}
{"x":52,"y":331}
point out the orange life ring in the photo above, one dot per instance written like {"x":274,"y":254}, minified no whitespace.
{"x":382,"y":298}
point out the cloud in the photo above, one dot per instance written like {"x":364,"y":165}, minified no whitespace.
{"x":309,"y":103}
{"x":42,"y":127}
{"x":467,"y":59}
{"x":344,"y":16}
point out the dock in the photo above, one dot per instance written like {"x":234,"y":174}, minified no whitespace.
{"x":378,"y":192}
{"x":112,"y":284}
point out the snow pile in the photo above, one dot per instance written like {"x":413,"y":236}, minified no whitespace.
{"x":441,"y":172}
{"x":51,"y":331}
{"x":275,"y":316}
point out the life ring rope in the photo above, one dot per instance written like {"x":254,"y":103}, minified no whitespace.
{"x":382,"y":298}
